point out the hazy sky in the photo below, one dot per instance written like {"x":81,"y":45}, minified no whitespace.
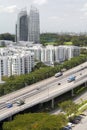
{"x":55,"y":15}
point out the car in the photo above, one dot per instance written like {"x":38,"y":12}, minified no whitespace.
{"x":70,"y":124}
{"x":20,"y":102}
{"x":74,"y":120}
{"x":59,"y":83}
{"x":58,"y":74}
{"x":9,"y":105}
{"x":78,"y":118}
{"x":67,"y":128}
{"x":37,"y":88}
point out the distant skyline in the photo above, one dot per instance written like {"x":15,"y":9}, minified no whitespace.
{"x":55,"y":15}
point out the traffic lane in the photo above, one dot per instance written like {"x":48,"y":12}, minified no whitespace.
{"x":36,"y":98}
{"x":46,"y":87}
{"x":82,"y":125}
{"x":52,"y":80}
{"x":15,"y":94}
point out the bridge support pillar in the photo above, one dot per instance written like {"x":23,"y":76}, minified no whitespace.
{"x":85,"y":84}
{"x":41,"y":105}
{"x":72,"y":91}
{"x":10,"y":118}
{"x":52,"y":105}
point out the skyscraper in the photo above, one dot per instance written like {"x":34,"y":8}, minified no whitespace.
{"x":22,"y":26}
{"x":28,"y":26}
{"x":34,"y":26}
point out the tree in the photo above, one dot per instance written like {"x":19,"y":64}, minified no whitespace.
{"x":39,"y":65}
{"x":7,"y":36}
{"x":36,"y":121}
{"x":69,"y":107}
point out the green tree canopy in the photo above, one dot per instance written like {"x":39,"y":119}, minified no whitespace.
{"x":36,"y":121}
{"x":7,"y":36}
{"x":69,"y":107}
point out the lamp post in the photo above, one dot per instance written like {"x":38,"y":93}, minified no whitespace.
{"x":48,"y":92}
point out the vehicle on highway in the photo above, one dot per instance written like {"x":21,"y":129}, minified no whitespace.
{"x":71,"y":78}
{"x":20,"y":102}
{"x":9,"y":105}
{"x":58,"y":74}
{"x":59,"y":83}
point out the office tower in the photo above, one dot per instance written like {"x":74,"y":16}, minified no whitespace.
{"x":22,"y":26}
{"x":34,"y":26}
{"x":16,"y":32}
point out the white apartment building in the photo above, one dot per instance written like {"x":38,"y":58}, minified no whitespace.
{"x":3,"y":51}
{"x":50,"y":54}
{"x":72,"y":51}
{"x":3,"y":65}
{"x":63,"y":53}
{"x":0,"y":73}
{"x":37,"y":52}
{"x":16,"y":65}
{"x":5,"y":42}
{"x":29,"y":62}
{"x":47,"y":54}
{"x":16,"y":61}
{"x":20,"y":64}
{"x":43,"y":55}
{"x":60,"y":53}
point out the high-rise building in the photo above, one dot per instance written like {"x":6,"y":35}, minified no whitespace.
{"x":22,"y":26}
{"x":34,"y":26}
{"x":28,"y":26}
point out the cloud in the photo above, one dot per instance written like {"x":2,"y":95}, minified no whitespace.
{"x":84,"y":7}
{"x":8,"y":9}
{"x":56,"y":18}
{"x":40,"y":2}
{"x":84,"y":10}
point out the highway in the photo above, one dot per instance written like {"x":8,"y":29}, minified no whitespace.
{"x":42,"y":91}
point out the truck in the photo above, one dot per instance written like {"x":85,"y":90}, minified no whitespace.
{"x":58,"y":74}
{"x":71,"y":78}
{"x":19,"y":102}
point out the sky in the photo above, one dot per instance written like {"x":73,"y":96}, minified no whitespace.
{"x":55,"y":15}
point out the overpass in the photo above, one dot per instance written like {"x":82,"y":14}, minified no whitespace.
{"x":42,"y":91}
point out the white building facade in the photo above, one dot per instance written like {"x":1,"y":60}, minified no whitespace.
{"x":47,"y":54}
{"x":17,"y":62}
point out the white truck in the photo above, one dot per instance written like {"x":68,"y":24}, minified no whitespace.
{"x":20,"y":102}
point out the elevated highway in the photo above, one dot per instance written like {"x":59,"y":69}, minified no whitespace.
{"x":42,"y":91}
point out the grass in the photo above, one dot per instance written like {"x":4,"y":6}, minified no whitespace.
{"x":68,"y":43}
{"x":2,"y":46}
{"x":82,"y":109}
{"x":50,"y":43}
